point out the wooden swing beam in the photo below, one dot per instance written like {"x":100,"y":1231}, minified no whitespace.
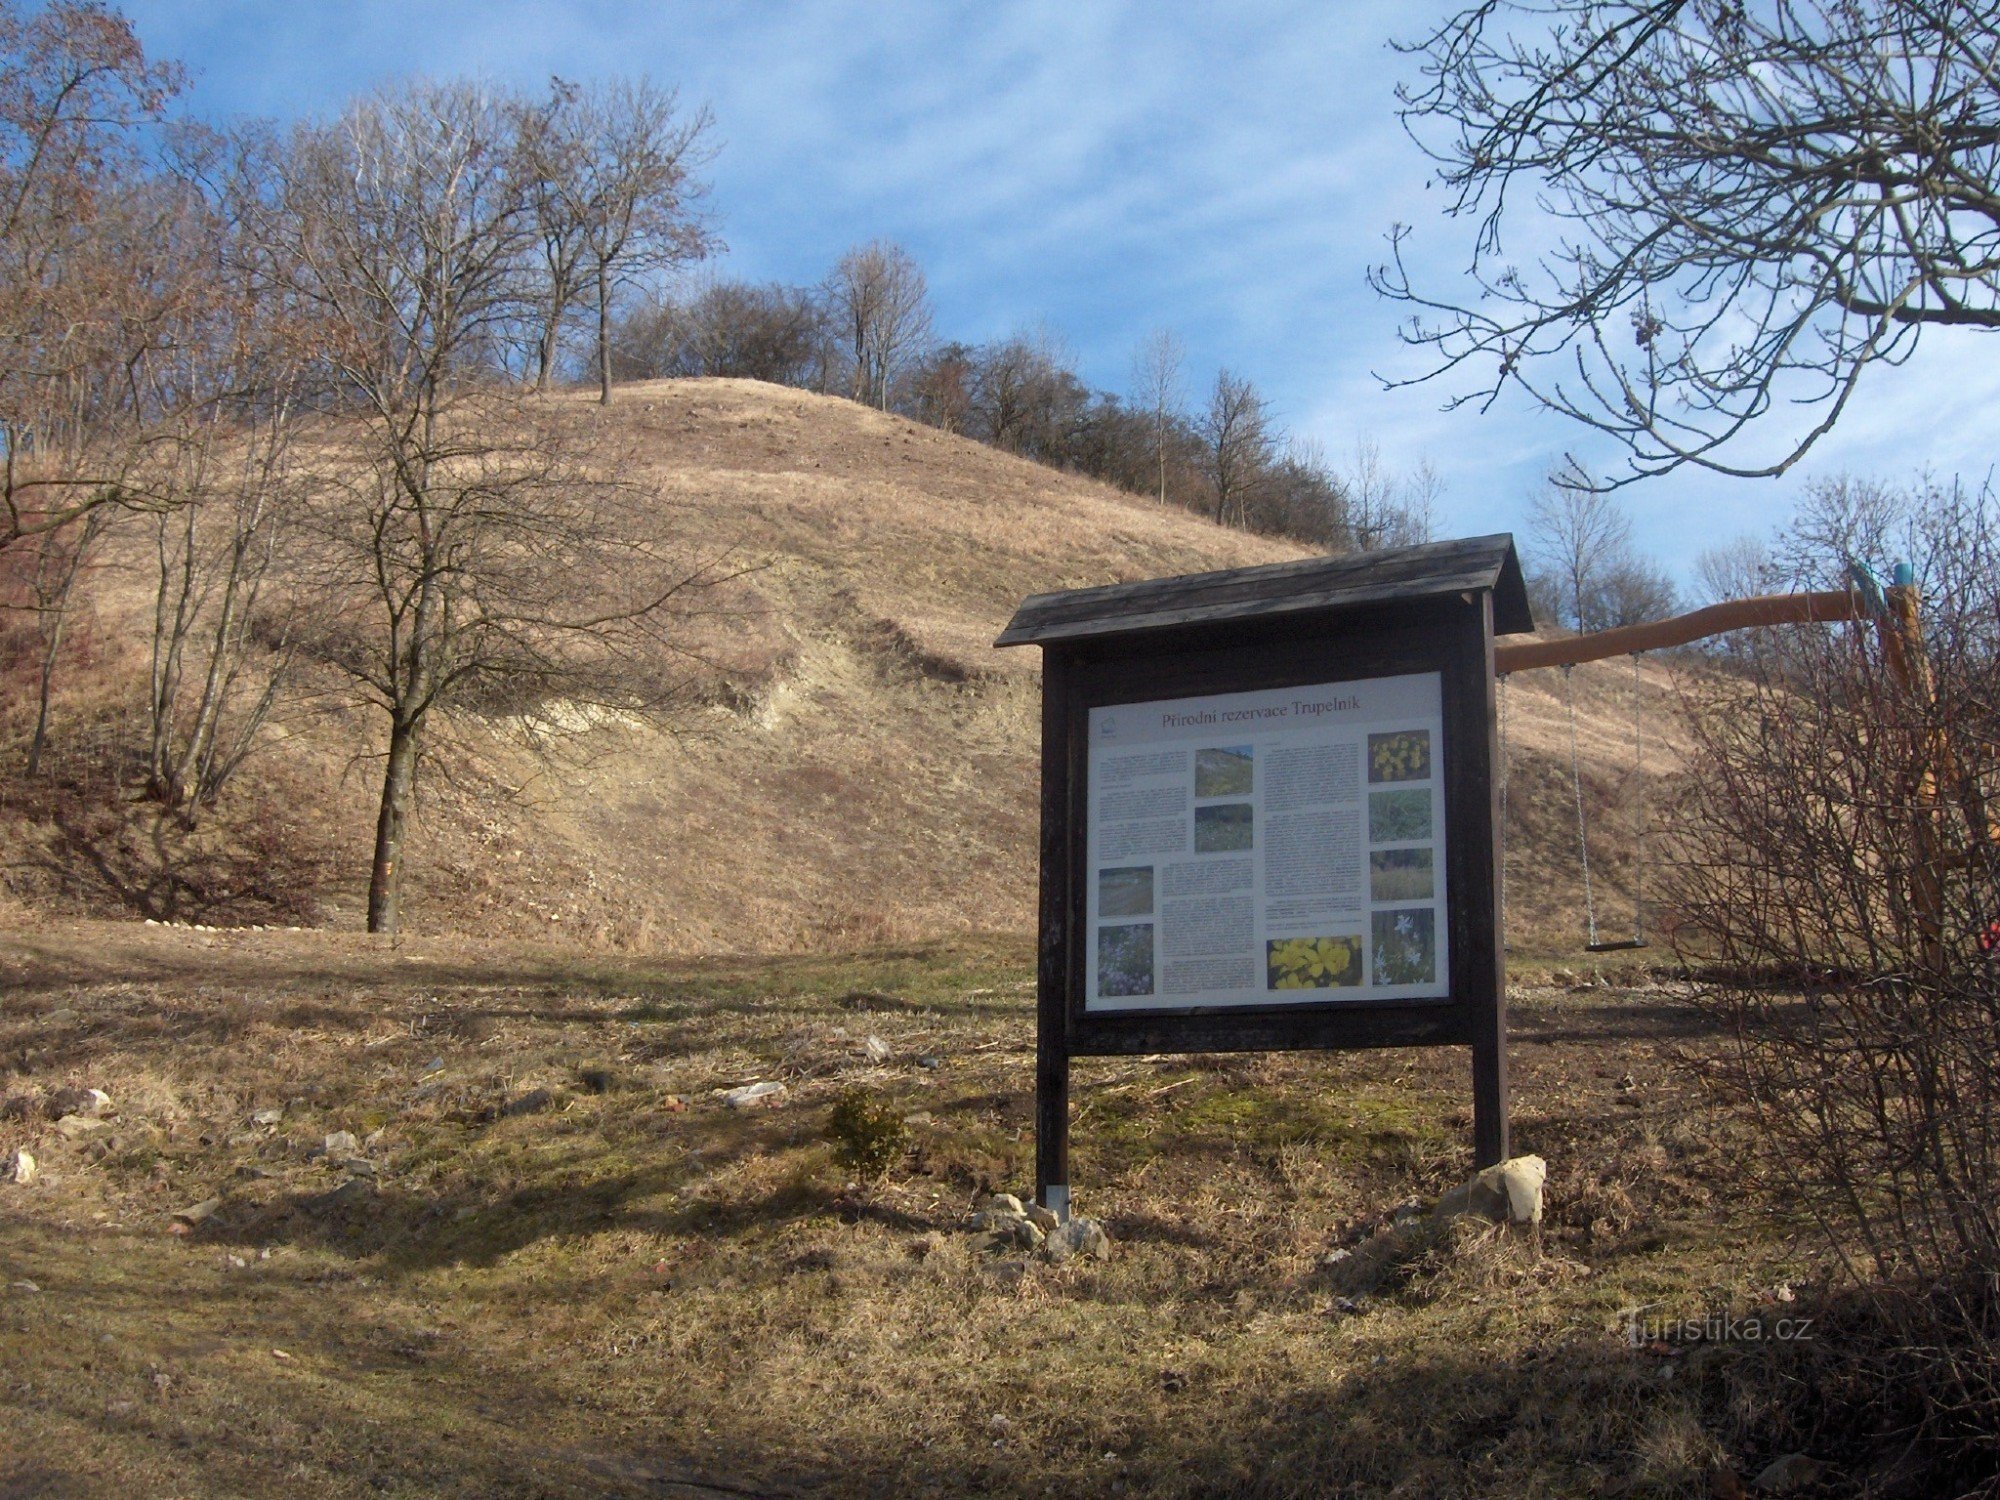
{"x":1821,"y":607}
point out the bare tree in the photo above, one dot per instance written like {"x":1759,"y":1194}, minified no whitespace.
{"x":59,"y":560}
{"x":1578,"y":536}
{"x":1385,"y":509}
{"x":91,"y":274}
{"x":1237,"y":444}
{"x":631,"y":184}
{"x":1755,"y":203}
{"x":1736,"y":569}
{"x":552,"y":157}
{"x":224,"y":614}
{"x":1840,"y":840}
{"x":881,"y":302}
{"x":480,"y":563}
{"x":1156,"y":383}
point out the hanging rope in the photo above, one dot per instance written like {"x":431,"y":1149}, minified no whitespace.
{"x":1576,"y":785}
{"x":1500,"y":688}
{"x":1638,"y":810}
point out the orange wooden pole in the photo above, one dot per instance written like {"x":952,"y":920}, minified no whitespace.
{"x":1825,"y":605}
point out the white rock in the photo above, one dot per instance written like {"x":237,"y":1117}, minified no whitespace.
{"x":75,"y":1127}
{"x":1005,"y":1202}
{"x":342,"y":1143}
{"x":1043,"y":1219}
{"x":876,"y":1050}
{"x":1507,"y":1193}
{"x":268,"y":1116}
{"x":24,"y":1168}
{"x":752,"y":1095}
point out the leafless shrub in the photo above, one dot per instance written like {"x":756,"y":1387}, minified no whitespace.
{"x":1836,"y":841}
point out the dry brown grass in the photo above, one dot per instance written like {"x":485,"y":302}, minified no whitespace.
{"x":618,"y":1296}
{"x":870,"y":777}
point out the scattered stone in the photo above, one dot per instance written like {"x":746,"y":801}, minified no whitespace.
{"x":341,"y":1143}
{"x":999,"y":1425}
{"x":75,"y":1101}
{"x":531,"y":1103}
{"x":198,"y":1212}
{"x":76,"y":1127}
{"x":930,"y":1062}
{"x":1004,"y":1203}
{"x":1080,"y":1236}
{"x":251,"y":1169}
{"x":1043,"y":1219}
{"x":1009,"y":1273}
{"x":876,"y":1050}
{"x":22,"y":1170}
{"x":268,"y":1116}
{"x":23,"y":1286}
{"x":1785,"y":1475}
{"x":754,"y":1095}
{"x":360,"y":1166}
{"x":1508,"y":1193}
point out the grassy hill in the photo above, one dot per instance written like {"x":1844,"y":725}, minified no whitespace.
{"x":866,"y":773}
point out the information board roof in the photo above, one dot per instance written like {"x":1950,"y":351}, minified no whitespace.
{"x":1312,"y":585}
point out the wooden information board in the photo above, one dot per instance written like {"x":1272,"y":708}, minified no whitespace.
{"x":1268,"y":816}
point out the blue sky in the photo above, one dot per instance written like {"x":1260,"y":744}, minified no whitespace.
{"x":1101,"y":168}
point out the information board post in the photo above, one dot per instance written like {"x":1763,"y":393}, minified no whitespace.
{"x":1268,"y":817}
{"x":1052,"y":970}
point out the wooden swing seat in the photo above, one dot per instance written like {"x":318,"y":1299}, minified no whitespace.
{"x":1616,"y":945}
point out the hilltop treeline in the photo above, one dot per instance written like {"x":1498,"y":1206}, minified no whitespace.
{"x":867,"y":331}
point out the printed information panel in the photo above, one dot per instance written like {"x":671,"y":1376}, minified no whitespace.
{"x":1268,"y":848}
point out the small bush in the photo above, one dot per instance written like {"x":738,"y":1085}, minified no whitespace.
{"x":867,"y":1132}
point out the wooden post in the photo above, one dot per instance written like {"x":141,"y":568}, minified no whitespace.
{"x":1489,"y":1023}
{"x":1052,"y":968}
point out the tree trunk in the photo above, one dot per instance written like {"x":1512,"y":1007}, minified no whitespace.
{"x":385,"y":882}
{"x":546,"y":360}
{"x":604,"y":335}
{"x":41,"y":738}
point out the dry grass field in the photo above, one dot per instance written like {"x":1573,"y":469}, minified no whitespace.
{"x":865,"y":773}
{"x":552,"y":1262}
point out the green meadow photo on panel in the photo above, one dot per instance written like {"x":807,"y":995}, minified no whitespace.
{"x":1126,"y":892}
{"x":1400,"y":875}
{"x":1226,"y":772}
{"x":1226,"y":826}
{"x":1399,"y":817}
